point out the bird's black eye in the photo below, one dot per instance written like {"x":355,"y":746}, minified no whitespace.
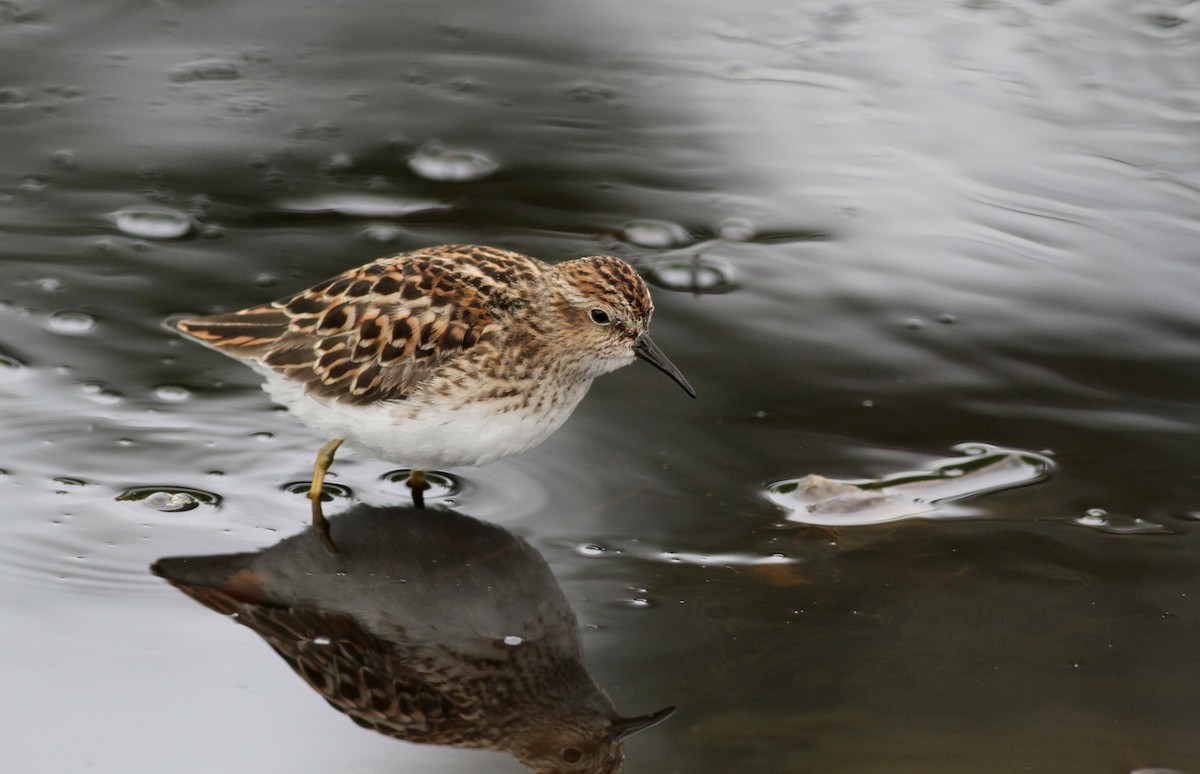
{"x":600,"y":317}
{"x":573,"y":754}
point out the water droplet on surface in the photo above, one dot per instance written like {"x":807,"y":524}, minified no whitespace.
{"x":700,"y":274}
{"x":591,"y":550}
{"x":321,"y":641}
{"x":10,"y":13}
{"x":169,"y":499}
{"x":172,"y":393}
{"x":436,"y":162}
{"x":1164,"y":19}
{"x":205,"y":70}
{"x":11,"y":367}
{"x":382,"y":233}
{"x":591,"y":92}
{"x":152,"y":222}
{"x":736,"y":230}
{"x":65,"y":159}
{"x":656,"y":234}
{"x":513,"y":640}
{"x":1115,"y":524}
{"x":338,"y":162}
{"x":71,"y":323}
{"x":362,"y":205}
{"x":13,"y":97}
{"x":70,"y":482}
{"x":98,"y":393}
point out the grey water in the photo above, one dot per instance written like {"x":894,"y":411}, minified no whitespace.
{"x":941,"y":256}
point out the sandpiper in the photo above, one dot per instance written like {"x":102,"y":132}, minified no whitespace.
{"x":451,"y":355}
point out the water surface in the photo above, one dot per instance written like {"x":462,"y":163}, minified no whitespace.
{"x":877,"y":232}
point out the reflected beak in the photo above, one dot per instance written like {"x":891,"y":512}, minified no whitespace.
{"x":646,"y":349}
{"x":623,"y":727}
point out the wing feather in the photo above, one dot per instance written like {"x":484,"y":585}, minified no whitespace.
{"x":377,"y":332}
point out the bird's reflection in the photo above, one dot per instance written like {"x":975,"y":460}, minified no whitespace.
{"x":428,"y":626}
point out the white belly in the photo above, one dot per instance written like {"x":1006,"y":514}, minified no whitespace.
{"x":421,"y":436}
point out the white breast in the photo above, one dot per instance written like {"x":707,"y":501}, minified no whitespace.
{"x":419,"y":435}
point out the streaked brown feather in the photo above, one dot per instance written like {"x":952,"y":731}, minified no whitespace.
{"x":378,"y":331}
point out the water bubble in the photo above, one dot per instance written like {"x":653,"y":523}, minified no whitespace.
{"x":591,"y":550}
{"x":1164,"y":19}
{"x":65,"y":159}
{"x":382,"y":233}
{"x":914,"y":323}
{"x":172,"y":393}
{"x":436,"y":162}
{"x":946,"y":318}
{"x":13,"y":97}
{"x":98,"y":393}
{"x":10,"y":13}
{"x":152,"y":222}
{"x":1102,"y":520}
{"x":591,"y":92}
{"x":736,"y":230}
{"x":700,"y":274}
{"x":49,"y":284}
{"x":205,"y":70}
{"x":322,"y":130}
{"x":321,"y":641}
{"x":169,"y":499}
{"x":362,"y":205}
{"x":656,"y":234}
{"x":71,"y":323}
{"x":11,"y":367}
{"x":338,"y":162}
{"x":71,"y":482}
{"x":513,"y":640}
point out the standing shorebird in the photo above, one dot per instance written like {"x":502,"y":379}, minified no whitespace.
{"x":434,"y":628}
{"x":452,"y":355}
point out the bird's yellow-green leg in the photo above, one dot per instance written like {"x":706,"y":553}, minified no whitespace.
{"x":324,"y":460}
{"x":418,"y":484}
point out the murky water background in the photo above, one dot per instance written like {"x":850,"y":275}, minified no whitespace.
{"x":878,"y":230}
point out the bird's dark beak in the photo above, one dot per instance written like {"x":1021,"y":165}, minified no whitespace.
{"x":647,"y":350}
{"x":623,"y":727}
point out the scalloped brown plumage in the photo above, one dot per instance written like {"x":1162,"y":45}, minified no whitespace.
{"x":452,"y":355}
